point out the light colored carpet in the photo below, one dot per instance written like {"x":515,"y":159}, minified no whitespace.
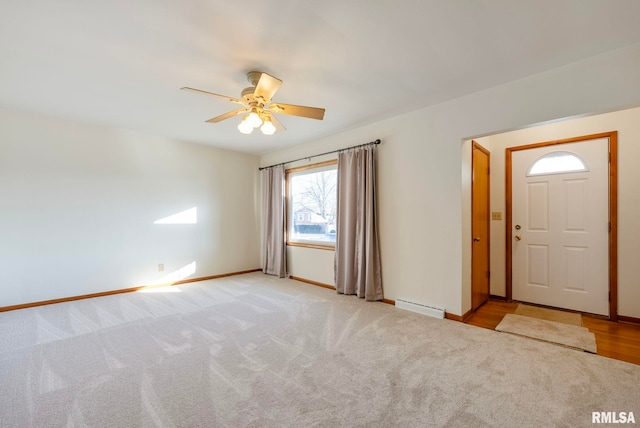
{"x":257,"y":351}
{"x":571,"y":336}
{"x":564,"y":317}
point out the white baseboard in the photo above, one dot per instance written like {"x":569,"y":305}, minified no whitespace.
{"x":419,"y":308}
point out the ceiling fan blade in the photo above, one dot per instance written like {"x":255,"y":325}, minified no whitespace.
{"x":226,"y":115}
{"x":199,"y":91}
{"x":303,"y":111}
{"x":266,"y":87}
{"x":279,"y":126}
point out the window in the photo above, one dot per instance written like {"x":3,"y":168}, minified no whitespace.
{"x":311,"y":205}
{"x":556,"y":163}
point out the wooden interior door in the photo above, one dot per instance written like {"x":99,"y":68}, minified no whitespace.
{"x":480,"y":226}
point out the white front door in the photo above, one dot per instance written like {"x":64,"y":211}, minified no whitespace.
{"x":560,"y":221}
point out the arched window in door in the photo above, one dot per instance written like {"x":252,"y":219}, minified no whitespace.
{"x":557,"y":163}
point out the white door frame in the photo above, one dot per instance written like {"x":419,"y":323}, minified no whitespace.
{"x":613,"y":213}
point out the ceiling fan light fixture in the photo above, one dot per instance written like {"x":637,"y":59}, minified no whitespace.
{"x":254,"y":118}
{"x":245,"y":127}
{"x":267,"y":127}
{"x":258,"y":110}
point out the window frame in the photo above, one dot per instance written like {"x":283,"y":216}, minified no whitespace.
{"x":556,"y":153}
{"x":321,"y":166}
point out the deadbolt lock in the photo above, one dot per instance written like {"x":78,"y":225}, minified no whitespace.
{"x":518,"y":227}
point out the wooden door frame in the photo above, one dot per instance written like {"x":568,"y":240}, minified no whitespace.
{"x":476,"y":146}
{"x":613,"y":212}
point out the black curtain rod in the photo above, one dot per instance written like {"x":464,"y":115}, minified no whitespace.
{"x":376,"y":142}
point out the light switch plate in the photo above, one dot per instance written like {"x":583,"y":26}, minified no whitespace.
{"x":496,"y":215}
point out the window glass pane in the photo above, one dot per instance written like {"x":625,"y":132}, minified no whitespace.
{"x":312,"y":206}
{"x":557,"y":162}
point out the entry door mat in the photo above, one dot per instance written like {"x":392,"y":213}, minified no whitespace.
{"x":571,"y":336}
{"x":564,"y":317}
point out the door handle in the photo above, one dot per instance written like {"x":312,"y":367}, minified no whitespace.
{"x":476,"y":239}
{"x":517,"y":237}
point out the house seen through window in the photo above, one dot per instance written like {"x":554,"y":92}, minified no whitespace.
{"x":311,"y":205}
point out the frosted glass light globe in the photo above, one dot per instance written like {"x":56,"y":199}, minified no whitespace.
{"x":267,"y":128}
{"x":244,"y":126}
{"x":254,"y":120}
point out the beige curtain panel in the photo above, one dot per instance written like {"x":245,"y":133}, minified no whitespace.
{"x":273,"y":222}
{"x":357,"y":258}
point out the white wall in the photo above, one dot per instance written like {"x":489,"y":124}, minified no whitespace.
{"x":78,"y":202}
{"x":467,"y":177}
{"x":419,"y":173}
{"x":627,"y":123}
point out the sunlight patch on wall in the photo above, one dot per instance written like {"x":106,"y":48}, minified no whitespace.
{"x":189,"y":216}
{"x":178,"y":274}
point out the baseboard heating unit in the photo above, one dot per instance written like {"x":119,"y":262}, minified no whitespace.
{"x":421,"y":309}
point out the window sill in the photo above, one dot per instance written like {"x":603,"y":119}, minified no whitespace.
{"x":315,"y":246}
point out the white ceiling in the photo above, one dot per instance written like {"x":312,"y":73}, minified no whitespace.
{"x":121,"y":63}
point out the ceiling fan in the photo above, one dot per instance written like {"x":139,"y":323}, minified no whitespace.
{"x":257,"y":107}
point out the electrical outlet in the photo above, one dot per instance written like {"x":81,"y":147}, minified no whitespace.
{"x":160,"y":267}
{"x":496,"y":215}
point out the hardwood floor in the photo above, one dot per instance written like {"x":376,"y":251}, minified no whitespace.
{"x":618,"y":340}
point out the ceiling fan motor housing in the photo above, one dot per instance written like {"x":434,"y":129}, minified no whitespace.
{"x":253,"y":77}
{"x":248,"y":95}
